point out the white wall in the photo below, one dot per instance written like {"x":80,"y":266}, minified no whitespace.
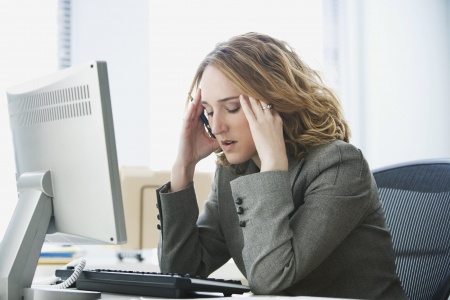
{"x":182,"y":33}
{"x":396,"y":75}
{"x":154,"y":47}
{"x":408,"y":80}
{"x":117,"y":32}
{"x":394,"y":67}
{"x":28,"y":48}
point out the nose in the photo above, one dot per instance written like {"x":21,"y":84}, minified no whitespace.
{"x":218,"y":124}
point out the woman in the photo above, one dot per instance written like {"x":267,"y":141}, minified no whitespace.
{"x":293,"y":203}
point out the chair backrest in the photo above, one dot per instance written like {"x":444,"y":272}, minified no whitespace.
{"x":416,"y":200}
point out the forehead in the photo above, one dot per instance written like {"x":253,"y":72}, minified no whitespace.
{"x":215,"y":86}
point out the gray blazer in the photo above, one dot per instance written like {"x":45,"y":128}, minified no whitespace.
{"x":317,"y":229}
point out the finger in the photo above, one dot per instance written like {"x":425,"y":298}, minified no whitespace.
{"x":198,"y":98}
{"x":197,"y":101}
{"x":257,"y":107}
{"x":266,"y":107}
{"x":196,"y":108}
{"x":246,"y":107}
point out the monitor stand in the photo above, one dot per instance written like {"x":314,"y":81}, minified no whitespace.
{"x":22,"y":244}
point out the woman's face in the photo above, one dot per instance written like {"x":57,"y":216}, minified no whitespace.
{"x":227,"y":119}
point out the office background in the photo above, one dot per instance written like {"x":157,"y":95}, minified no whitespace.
{"x":389,"y":62}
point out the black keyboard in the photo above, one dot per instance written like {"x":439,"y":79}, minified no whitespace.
{"x":151,"y":283}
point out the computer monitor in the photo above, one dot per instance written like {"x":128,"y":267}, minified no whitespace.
{"x":67,"y":171}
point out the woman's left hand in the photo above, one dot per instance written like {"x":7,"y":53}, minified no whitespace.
{"x":266,"y":127}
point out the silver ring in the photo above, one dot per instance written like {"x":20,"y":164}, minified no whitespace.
{"x":268,"y":106}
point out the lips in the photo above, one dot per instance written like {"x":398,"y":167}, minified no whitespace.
{"x":227,"y":144}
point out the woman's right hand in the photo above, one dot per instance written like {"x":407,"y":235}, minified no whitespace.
{"x":194,"y":145}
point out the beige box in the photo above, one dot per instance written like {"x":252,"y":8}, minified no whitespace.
{"x":139,"y":186}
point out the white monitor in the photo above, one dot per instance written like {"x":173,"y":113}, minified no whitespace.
{"x":67,"y":171}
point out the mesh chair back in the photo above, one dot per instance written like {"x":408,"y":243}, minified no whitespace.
{"x":416,"y":200}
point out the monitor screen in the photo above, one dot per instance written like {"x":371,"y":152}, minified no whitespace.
{"x":63,"y":137}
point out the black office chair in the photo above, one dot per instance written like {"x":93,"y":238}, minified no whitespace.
{"x":416,"y":200}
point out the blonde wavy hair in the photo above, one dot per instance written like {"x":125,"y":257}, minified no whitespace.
{"x":269,"y":70}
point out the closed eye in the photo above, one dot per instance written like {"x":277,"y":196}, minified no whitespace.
{"x":233,"y":111}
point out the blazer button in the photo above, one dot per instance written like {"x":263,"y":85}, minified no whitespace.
{"x":242,"y":223}
{"x":158,"y":227}
{"x":158,"y":217}
{"x":238,"y":201}
{"x":240,"y":210}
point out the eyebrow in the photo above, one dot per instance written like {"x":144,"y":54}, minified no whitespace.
{"x":223,"y":99}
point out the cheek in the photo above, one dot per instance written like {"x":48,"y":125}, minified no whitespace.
{"x":241,"y":126}
{"x":241,"y":120}
{"x":245,"y":133}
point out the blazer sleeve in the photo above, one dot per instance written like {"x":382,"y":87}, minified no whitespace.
{"x":280,"y":251}
{"x":185,"y":246}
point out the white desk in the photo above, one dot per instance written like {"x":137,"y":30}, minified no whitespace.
{"x":98,"y":257}
{"x":106,"y":258}
{"x":129,"y":297}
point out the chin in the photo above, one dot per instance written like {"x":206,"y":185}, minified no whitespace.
{"x":235,"y":159}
